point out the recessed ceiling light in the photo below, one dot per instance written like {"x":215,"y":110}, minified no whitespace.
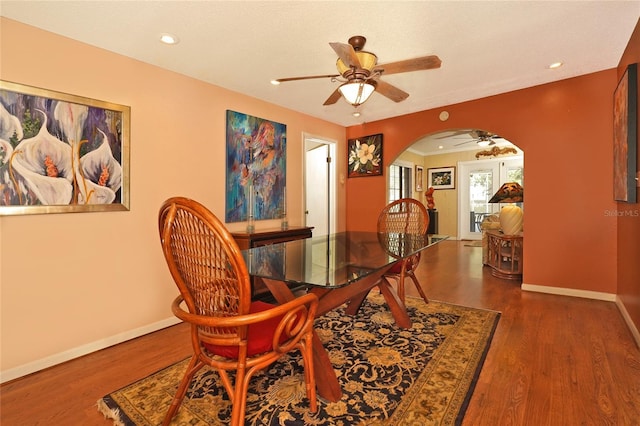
{"x":169,"y":39}
{"x":275,"y":82}
{"x":555,"y":65}
{"x":440,"y":147}
{"x":356,"y":114}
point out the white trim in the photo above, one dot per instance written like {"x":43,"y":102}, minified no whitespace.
{"x":628,"y":320}
{"x":401,"y":163}
{"x":79,"y":351}
{"x":311,"y":141}
{"x":608,"y":297}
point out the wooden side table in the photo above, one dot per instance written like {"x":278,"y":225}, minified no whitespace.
{"x":263,"y":237}
{"x":505,"y":255}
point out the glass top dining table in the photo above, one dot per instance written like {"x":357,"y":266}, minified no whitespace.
{"x":340,"y":269}
{"x":335,"y":260}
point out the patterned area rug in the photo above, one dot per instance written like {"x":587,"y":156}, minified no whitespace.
{"x":389,"y":376}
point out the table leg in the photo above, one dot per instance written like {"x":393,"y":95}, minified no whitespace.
{"x":330,"y":299}
{"x":356,"y":302}
{"x":326,"y":380}
{"x":355,"y":294}
{"x":397,"y":307}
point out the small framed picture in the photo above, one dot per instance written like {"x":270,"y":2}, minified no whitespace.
{"x":419,"y":173}
{"x":442,"y":178}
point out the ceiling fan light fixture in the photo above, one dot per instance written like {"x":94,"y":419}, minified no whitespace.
{"x":356,"y":92}
{"x":484,"y":142}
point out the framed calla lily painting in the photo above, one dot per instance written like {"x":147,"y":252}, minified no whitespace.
{"x":61,"y":153}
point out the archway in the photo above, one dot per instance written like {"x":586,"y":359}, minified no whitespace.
{"x":462,"y":203}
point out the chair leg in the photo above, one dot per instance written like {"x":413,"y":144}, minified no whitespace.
{"x":419,"y":287}
{"x":403,"y":275}
{"x":194,"y":365}
{"x":309,"y":373}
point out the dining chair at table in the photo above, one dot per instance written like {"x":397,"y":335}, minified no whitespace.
{"x":404,"y":216}
{"x":229,"y":332}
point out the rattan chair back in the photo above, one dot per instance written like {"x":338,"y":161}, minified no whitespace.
{"x":211,"y":275}
{"x":405,"y":216}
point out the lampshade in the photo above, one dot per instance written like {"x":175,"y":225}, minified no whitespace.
{"x":510,"y":192}
{"x":356,"y":92}
{"x":511,"y":216}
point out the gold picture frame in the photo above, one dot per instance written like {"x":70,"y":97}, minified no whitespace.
{"x":61,"y":153}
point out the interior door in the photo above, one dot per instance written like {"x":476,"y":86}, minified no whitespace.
{"x":320,"y":206}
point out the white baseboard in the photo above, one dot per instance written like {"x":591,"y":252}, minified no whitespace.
{"x":609,"y":297}
{"x":79,"y":351}
{"x":628,"y":320}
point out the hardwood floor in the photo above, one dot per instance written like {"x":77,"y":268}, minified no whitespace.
{"x":554,"y":360}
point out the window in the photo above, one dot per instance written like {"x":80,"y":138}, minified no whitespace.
{"x":400,"y":185}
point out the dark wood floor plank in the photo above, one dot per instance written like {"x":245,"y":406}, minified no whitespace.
{"x":554,"y":360}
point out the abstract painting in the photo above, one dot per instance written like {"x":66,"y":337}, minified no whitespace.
{"x":625,"y":136}
{"x":255,"y":168}
{"x":61,"y":153}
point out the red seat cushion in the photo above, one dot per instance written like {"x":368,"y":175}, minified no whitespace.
{"x":259,"y":336}
{"x":396,"y":268}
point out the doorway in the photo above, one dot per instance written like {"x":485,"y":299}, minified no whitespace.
{"x":320,"y":185}
{"x":479,"y":180}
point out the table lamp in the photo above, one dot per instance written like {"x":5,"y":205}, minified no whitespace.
{"x":511,"y":216}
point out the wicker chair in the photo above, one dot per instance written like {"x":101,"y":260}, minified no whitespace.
{"x":228,"y":330}
{"x":405,"y":215}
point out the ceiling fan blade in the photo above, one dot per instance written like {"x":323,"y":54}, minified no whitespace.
{"x":448,"y":135}
{"x":347,"y":53}
{"x":417,"y":64}
{"x":391,"y":92}
{"x":283,"y":80}
{"x":462,"y":143}
{"x":333,"y":98}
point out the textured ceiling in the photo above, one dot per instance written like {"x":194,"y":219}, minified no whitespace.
{"x":486,"y":48}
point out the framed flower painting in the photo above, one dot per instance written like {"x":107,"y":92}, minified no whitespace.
{"x":61,"y":153}
{"x":441,"y":178}
{"x":365,"y":156}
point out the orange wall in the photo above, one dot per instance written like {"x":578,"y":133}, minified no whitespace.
{"x":629,"y":220}
{"x":74,"y":282}
{"x":565,"y":131}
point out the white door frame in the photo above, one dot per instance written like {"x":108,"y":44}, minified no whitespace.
{"x":330,"y":205}
{"x":464,"y":167}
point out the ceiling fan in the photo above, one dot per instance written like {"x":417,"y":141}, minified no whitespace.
{"x":482,"y":138}
{"x":360,"y":73}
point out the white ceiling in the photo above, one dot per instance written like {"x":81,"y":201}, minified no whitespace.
{"x":486,"y":47}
